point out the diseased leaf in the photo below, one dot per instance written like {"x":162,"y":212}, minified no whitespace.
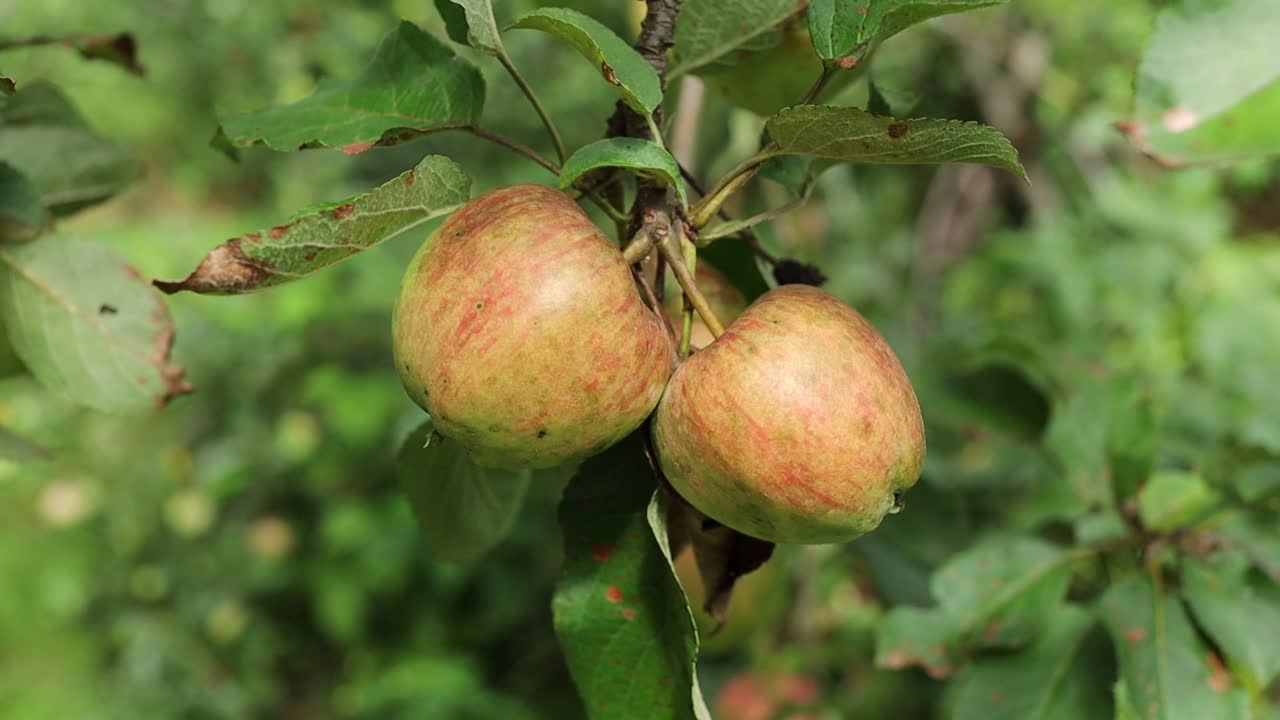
{"x":21,"y":208}
{"x":329,"y":233}
{"x":642,"y":156}
{"x":911,"y":636}
{"x":1062,"y":676}
{"x":998,"y":592}
{"x":622,"y":620}
{"x":1171,"y":499}
{"x":481,"y":29}
{"x":414,"y":84}
{"x":1208,"y":88}
{"x":621,"y":66}
{"x":722,"y":554}
{"x":854,"y":135}
{"x":712,"y":32}
{"x":1168,"y":672}
{"x":1239,"y":611}
{"x":120,"y":49}
{"x":847,"y":31}
{"x":463,"y":510}
{"x":87,"y":325}
{"x":17,"y":448}
{"x":45,"y":139}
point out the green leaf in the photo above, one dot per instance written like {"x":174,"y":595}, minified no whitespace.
{"x":21,"y":207}
{"x":7,"y":86}
{"x":631,"y":76}
{"x":711,"y":32}
{"x":45,"y":139}
{"x":120,"y":49}
{"x":621,"y":617}
{"x":327,"y":234}
{"x":1059,"y":677}
{"x":644,"y":157}
{"x":87,"y":325}
{"x":1172,"y":499}
{"x":739,"y":264}
{"x":854,"y":135}
{"x":1208,"y":88}
{"x":1258,"y":480}
{"x":1258,"y":536}
{"x":464,"y":510}
{"x":10,"y":364}
{"x":1239,"y":611}
{"x":848,"y":31}
{"x":19,"y":449}
{"x":910,"y":636}
{"x":477,"y":29}
{"x":998,"y":592}
{"x":1168,"y":671}
{"x":415,"y":84}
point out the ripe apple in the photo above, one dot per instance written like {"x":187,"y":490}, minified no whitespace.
{"x":520,"y":329}
{"x":798,"y":424}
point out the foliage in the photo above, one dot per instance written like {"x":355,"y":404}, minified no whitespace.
{"x":1094,"y":533}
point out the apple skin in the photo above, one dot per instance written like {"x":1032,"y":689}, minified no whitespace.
{"x":726,"y":301}
{"x":797,"y":425}
{"x":520,"y":329}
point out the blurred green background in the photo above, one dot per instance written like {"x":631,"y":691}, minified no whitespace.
{"x":248,"y":553}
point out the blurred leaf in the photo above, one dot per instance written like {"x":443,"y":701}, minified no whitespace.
{"x":10,"y":364}
{"x":631,"y":76}
{"x":120,"y":49}
{"x":854,"y":135}
{"x":45,"y":139}
{"x":1169,"y":673}
{"x":910,"y":636}
{"x":1172,"y":499}
{"x":414,"y":84}
{"x":19,"y":449}
{"x":621,"y":617}
{"x":847,"y":31}
{"x":738,"y":263}
{"x":21,"y":208}
{"x":1133,"y":434}
{"x":1207,"y":87}
{"x":1059,"y":677}
{"x":1240,"y":613}
{"x":712,"y":32}
{"x":722,"y":555}
{"x":329,"y":233}
{"x":477,"y":27}
{"x":7,"y":86}
{"x":463,"y":509}
{"x":1258,"y":536}
{"x":1258,"y":480}
{"x":998,"y":592}
{"x":87,"y":325}
{"x":642,"y":156}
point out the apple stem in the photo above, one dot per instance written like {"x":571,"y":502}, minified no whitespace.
{"x":638,"y":247}
{"x":823,"y":79}
{"x":706,"y":208}
{"x":666,"y":245}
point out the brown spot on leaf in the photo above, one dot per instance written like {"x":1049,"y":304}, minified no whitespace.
{"x":848,"y":62}
{"x":613,"y":594}
{"x":224,"y":271}
{"x":607,"y":70}
{"x":172,"y":377}
{"x":409,"y":177}
{"x":897,"y":130}
{"x":1219,"y":678}
{"x":862,"y":10}
{"x":107,"y":309}
{"x":278,"y":231}
{"x":309,"y":256}
{"x":601,"y":552}
{"x":356,"y":148}
{"x":253,"y":237}
{"x":342,"y":212}
{"x":629,"y":613}
{"x":1135,"y":635}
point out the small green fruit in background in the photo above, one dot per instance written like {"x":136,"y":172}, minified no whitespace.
{"x":766,"y":81}
{"x":726,"y":301}
{"x":520,"y":329}
{"x":797,"y":425}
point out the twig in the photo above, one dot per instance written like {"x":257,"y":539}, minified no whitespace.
{"x":736,"y":227}
{"x":821,"y":83}
{"x":687,"y":283}
{"x":512,"y":145}
{"x":753,"y":241}
{"x":533,"y":100}
{"x":706,"y":208}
